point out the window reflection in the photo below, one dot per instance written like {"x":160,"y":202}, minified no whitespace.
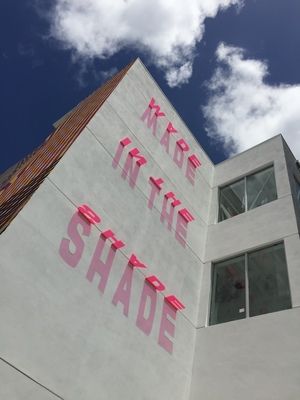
{"x":268,"y":281}
{"x":228,"y":291}
{"x":261,"y":188}
{"x":258,"y":189}
{"x":297,"y":189}
{"x":252,"y":284}
{"x":232,"y":200}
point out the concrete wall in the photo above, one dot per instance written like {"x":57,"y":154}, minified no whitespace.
{"x":256,"y":357}
{"x":73,"y":322}
{"x":61,"y":329}
{"x":14,"y":385}
{"x":294,"y":177}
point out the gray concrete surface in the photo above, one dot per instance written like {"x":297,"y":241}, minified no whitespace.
{"x":60,"y":330}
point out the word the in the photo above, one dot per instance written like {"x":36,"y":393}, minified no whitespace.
{"x":168,"y":210}
{"x":71,"y":250}
{"x":134,"y":161}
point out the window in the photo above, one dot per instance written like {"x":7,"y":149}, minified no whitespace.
{"x":247,"y":193}
{"x":297,"y":189}
{"x":252,"y":284}
{"x":228,"y":291}
{"x":232,"y":200}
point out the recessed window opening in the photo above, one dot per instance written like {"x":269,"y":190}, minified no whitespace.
{"x":247,"y":193}
{"x":252,"y":284}
{"x":297,"y":189}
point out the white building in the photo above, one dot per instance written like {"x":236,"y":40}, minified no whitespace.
{"x":176,"y":278}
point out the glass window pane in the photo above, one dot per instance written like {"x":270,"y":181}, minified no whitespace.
{"x":297,"y":190}
{"x":261,"y":188}
{"x":228,"y":291}
{"x":268,"y":281}
{"x":232,"y":200}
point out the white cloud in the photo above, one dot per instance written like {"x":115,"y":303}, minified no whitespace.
{"x":243,"y":110}
{"x":109,"y":73}
{"x":168,"y":30}
{"x":179,"y":76}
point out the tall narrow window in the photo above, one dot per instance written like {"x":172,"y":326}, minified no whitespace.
{"x":232,"y":200}
{"x":261,"y":188}
{"x":268,"y":281}
{"x":258,"y":189}
{"x":252,"y":284}
{"x":228,"y":293}
{"x":297,"y":189}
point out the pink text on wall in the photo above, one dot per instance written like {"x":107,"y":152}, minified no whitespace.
{"x":180,"y":152}
{"x":99,"y":269}
{"x":172,"y":213}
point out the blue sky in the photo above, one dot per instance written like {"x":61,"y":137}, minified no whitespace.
{"x":231,"y":68}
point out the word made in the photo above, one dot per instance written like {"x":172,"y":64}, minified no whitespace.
{"x":181,"y":149}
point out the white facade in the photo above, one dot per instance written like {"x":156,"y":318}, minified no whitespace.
{"x":74,"y":328}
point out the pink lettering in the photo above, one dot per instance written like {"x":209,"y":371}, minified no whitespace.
{"x":134,"y":153}
{"x":102,"y":264}
{"x":157,"y":182}
{"x":152,"y":117}
{"x":171,"y":195}
{"x":122,"y":294}
{"x":180,"y":148}
{"x":170,"y":128}
{"x":169,"y":215}
{"x":155,"y":189}
{"x":192,"y":164}
{"x":99,"y":267}
{"x":145,"y":322}
{"x":194,"y":160}
{"x":165,"y":140}
{"x":89,"y":214}
{"x":72,"y":258}
{"x":135,"y":262}
{"x":183,"y":145}
{"x":183,"y":218}
{"x":131,"y":169}
{"x":190,"y":172}
{"x":156,"y":107}
{"x":109,"y":234}
{"x":181,"y":230}
{"x":167,"y":327}
{"x":126,"y":141}
{"x":156,"y":283}
{"x":186,"y":215}
{"x":123,"y":143}
{"x":174,"y":302}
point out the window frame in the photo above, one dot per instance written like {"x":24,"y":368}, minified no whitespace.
{"x":247,"y":301}
{"x":244,"y":179}
{"x":297,"y":187}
